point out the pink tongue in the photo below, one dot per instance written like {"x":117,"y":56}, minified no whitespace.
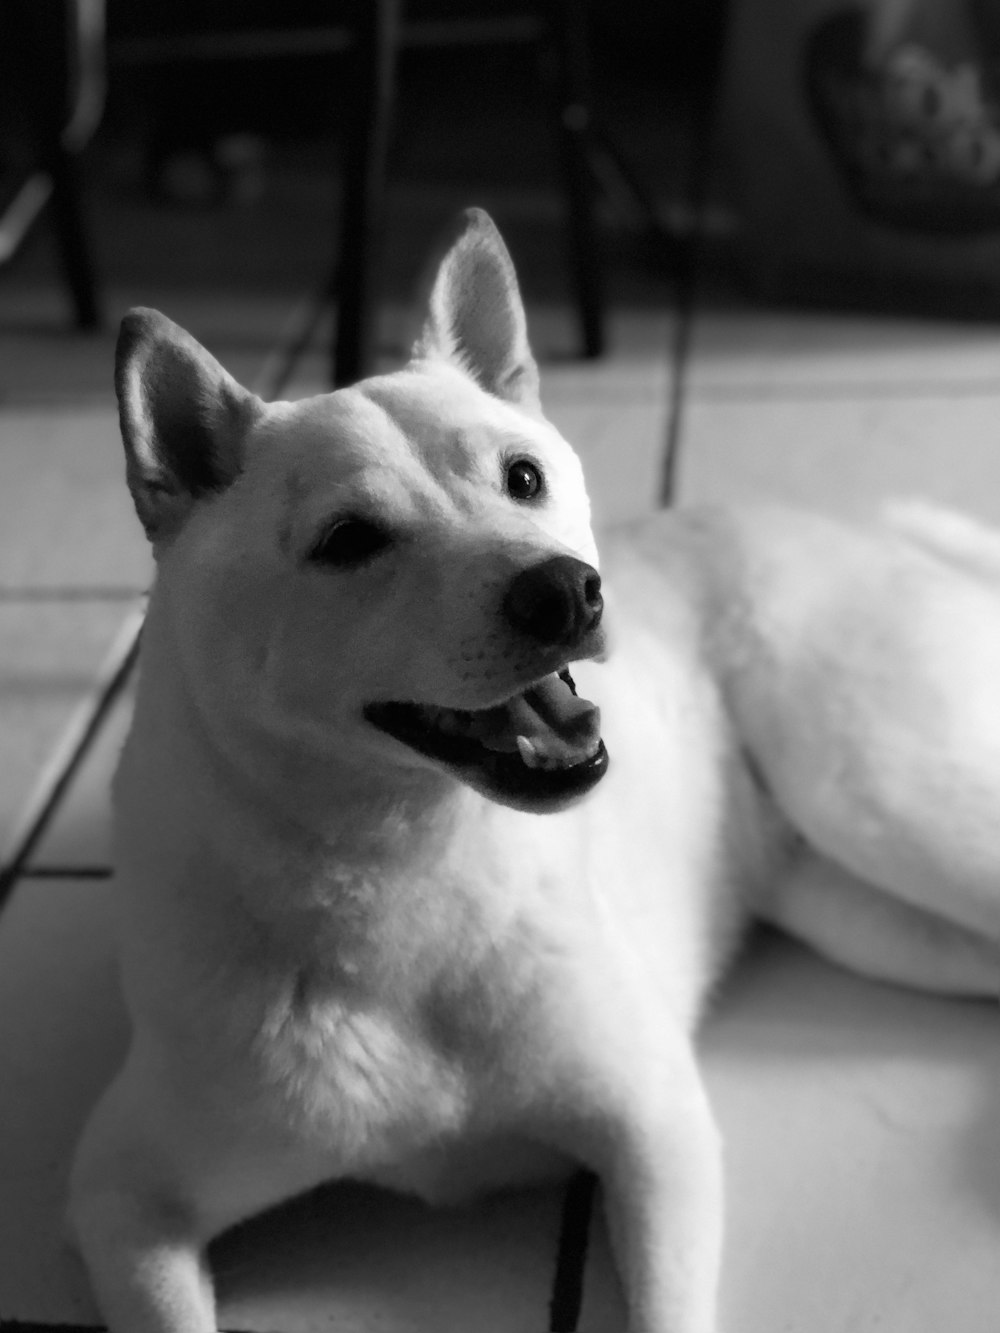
{"x":558,"y":723}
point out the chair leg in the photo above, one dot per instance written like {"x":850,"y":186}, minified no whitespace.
{"x":362,"y":213}
{"x":572,"y":107}
{"x":45,"y":38}
{"x":74,"y":249}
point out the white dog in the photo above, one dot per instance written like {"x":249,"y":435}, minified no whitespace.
{"x":396,"y":902}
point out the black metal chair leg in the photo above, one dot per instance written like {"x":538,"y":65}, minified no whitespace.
{"x":45,"y":72}
{"x":363,"y":207}
{"x":569,"y":52}
{"x":74,"y":249}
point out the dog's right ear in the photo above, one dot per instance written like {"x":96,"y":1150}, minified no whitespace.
{"x":183,"y":419}
{"x":475,"y":315}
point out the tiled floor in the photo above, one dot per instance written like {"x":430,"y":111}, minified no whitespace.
{"x":841,"y":412}
{"x":861,"y":1123}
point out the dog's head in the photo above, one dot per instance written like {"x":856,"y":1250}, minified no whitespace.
{"x":398,"y":574}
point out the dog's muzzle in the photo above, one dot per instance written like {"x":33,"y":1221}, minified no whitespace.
{"x":556,"y":603}
{"x":541,"y":748}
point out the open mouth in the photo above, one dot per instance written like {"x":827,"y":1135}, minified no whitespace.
{"x":539,"y":750}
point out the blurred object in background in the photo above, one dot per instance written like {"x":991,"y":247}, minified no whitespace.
{"x":52,"y":76}
{"x":207,"y":84}
{"x":222,"y":162}
{"x":373,"y":36}
{"x":861,"y":150}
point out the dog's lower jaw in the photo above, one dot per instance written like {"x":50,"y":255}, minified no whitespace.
{"x":538,"y":751}
{"x":546,"y":792}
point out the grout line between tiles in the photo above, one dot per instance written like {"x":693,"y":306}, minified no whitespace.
{"x":57,"y":872}
{"x":588,"y":393}
{"x":679,"y":357}
{"x":19,"y":1326}
{"x":26,"y":596}
{"x":23,"y":1326}
{"x":84,"y":401}
{"x":843,"y":390}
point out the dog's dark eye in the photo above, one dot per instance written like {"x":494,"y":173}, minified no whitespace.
{"x":350,"y":541}
{"x":524,"y":480}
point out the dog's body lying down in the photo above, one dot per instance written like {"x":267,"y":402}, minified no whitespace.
{"x":397,"y":904}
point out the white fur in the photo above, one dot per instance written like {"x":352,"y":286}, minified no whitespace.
{"x":340,"y":960}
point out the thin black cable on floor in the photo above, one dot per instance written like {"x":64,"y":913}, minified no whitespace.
{"x":571,"y":1253}
{"x":20,"y":1326}
{"x":66,"y":872}
{"x":679,"y":358}
{"x":43,"y":594}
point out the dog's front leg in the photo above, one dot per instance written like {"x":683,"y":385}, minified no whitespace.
{"x":146,"y":1267}
{"x":657,"y":1152}
{"x":664,"y":1206}
{"x":142,"y":1210}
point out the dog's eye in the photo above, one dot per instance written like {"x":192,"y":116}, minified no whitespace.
{"x":349,"y":541}
{"x":524,"y":480}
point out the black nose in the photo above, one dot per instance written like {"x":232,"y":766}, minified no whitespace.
{"x":556,"y":602}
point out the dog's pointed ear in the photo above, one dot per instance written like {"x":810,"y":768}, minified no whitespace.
{"x":475,"y":316}
{"x":183,"y":419}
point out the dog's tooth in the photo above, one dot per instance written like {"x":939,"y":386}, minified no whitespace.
{"x":528,"y":752}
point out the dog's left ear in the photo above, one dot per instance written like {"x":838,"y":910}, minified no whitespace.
{"x":475,"y":315}
{"x":183,"y":420}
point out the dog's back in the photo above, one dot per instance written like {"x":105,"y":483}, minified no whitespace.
{"x":955,"y":538}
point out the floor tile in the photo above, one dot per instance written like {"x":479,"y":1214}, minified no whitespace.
{"x":765,"y":352}
{"x":62,"y":1030}
{"x":51,"y":659}
{"x":843,"y":454}
{"x":614,"y":411}
{"x":66,"y":518}
{"x":862,"y":1149}
{"x":621,"y":439}
{"x":44,"y":360}
{"x":80,"y":832}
